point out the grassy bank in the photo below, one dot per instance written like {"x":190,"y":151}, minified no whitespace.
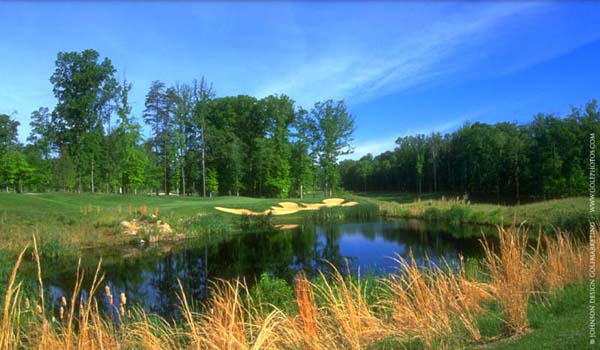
{"x":561,"y":321}
{"x":66,"y":222}
{"x":568,"y":213}
{"x":514,"y":298}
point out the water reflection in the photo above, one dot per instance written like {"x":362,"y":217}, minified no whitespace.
{"x":149,"y":275}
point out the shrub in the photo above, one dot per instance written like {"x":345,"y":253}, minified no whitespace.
{"x":53,"y":248}
{"x":206,"y":225}
{"x":256,"y":222}
{"x":458,"y":214}
{"x":363,"y":211}
{"x":275,"y":292}
{"x":432,"y":214}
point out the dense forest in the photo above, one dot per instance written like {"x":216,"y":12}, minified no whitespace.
{"x":546,"y":158}
{"x":201,"y":144}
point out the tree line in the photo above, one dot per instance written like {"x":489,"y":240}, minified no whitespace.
{"x":200,"y":144}
{"x":545,"y":158}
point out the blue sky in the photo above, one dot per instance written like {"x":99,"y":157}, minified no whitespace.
{"x":403,"y":68}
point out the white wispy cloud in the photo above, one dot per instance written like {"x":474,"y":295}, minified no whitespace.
{"x":309,"y":51}
{"x":372,"y":66}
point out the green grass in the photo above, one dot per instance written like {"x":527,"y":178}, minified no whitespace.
{"x":569,"y":213}
{"x":558,"y":323}
{"x":66,"y":222}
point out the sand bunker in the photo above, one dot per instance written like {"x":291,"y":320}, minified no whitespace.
{"x":286,"y":208}
{"x":283,"y":211}
{"x":333,"y":202}
{"x":313,"y":206}
{"x":242,"y":211}
{"x":289,"y":205}
{"x":287,"y":226}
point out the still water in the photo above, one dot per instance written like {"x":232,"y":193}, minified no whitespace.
{"x":149,"y":274}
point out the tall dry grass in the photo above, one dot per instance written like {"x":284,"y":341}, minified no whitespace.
{"x":514,"y":267}
{"x":432,"y":305}
{"x":232,"y":323}
{"x":562,"y":253}
{"x":343,"y":320}
{"x":437,"y":306}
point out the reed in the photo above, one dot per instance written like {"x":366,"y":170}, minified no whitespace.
{"x":232,"y":323}
{"x":431,"y":305}
{"x":438,"y":307}
{"x":514,"y":269}
{"x":149,"y":332}
{"x":307,"y":321}
{"x":565,"y":262}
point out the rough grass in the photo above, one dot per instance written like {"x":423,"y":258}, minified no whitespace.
{"x":568,"y":214}
{"x":560,"y":322}
{"x":439,"y":307}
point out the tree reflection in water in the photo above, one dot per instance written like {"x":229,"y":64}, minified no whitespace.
{"x":149,"y":275}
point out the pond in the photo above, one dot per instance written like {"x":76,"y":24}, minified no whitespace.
{"x":148,"y":275}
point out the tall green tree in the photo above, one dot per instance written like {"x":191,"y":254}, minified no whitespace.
{"x":203,"y":93}
{"x":302,"y":159}
{"x":130,"y":158}
{"x":84,"y":87}
{"x":434,"y":145}
{"x":38,"y":151}
{"x":158,"y":116}
{"x":41,"y":134}
{"x":14,"y":168}
{"x":365,"y":169}
{"x":332,"y":135}
{"x":279,"y":115}
{"x":8,"y":133}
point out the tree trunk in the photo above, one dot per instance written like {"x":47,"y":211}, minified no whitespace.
{"x":449,"y":174}
{"x":92,"y":180}
{"x":165,"y":175}
{"x":517,"y":179}
{"x":165,"y":156}
{"x":434,"y":176}
{"x":182,"y":176}
{"x":203,"y":165}
{"x":498,"y":190}
{"x":301,"y":191}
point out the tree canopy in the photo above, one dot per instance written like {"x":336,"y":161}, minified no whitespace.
{"x":545,"y":158}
